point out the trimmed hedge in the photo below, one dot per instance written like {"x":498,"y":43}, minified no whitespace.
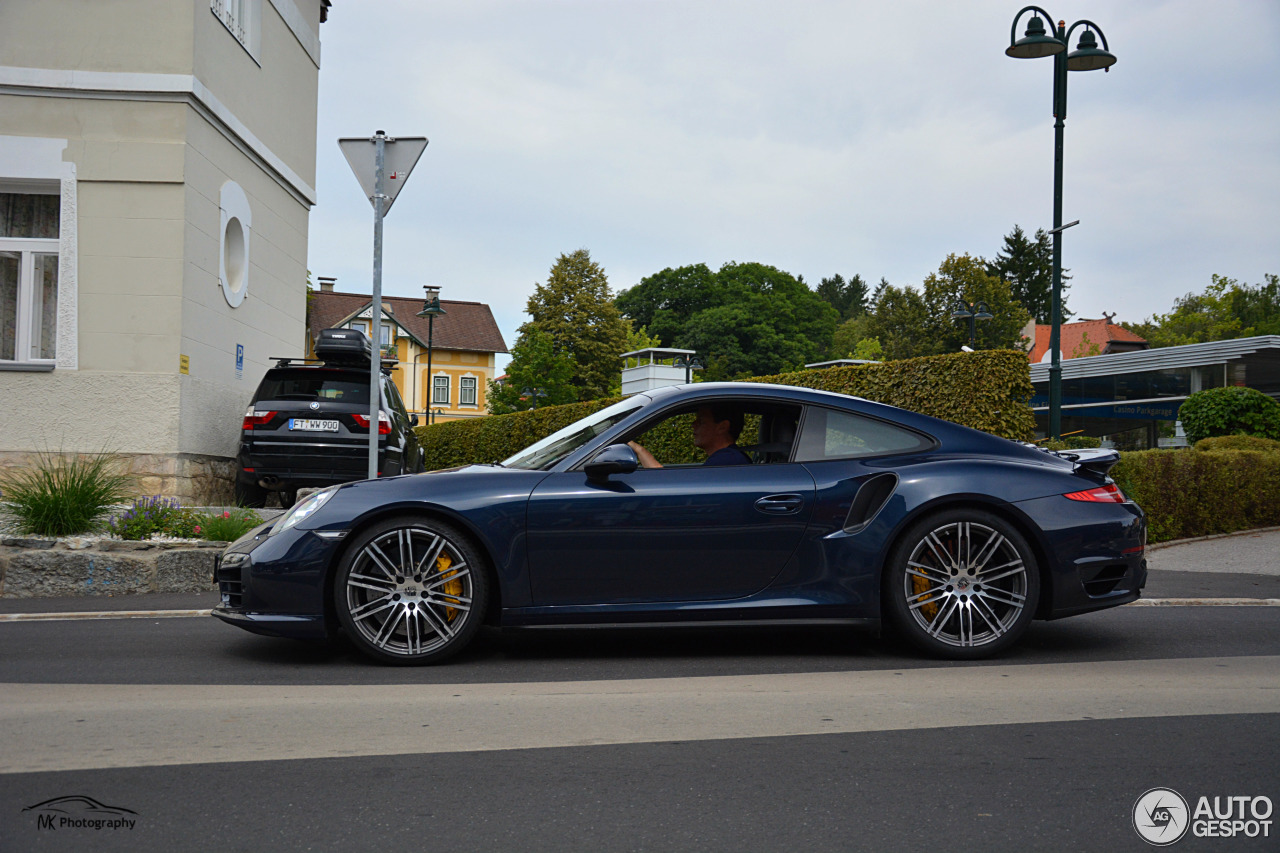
{"x":985,"y":390}
{"x":1199,"y":492}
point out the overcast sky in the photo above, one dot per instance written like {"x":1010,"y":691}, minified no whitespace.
{"x":819,"y":137}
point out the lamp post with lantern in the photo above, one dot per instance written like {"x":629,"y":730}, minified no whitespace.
{"x":1087,"y":56}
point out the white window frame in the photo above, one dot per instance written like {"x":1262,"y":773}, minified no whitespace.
{"x":474,"y":387}
{"x":34,"y":165}
{"x":243,"y":19}
{"x":26,"y":336}
{"x":436,"y":386}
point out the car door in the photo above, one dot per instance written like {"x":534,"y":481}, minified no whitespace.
{"x":662,"y":535}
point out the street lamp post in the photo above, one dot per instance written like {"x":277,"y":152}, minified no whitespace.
{"x":431,"y":309}
{"x":1086,"y":57}
{"x":535,"y":393}
{"x":972,"y":312}
{"x":690,"y":364}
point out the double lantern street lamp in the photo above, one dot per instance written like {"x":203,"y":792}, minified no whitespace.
{"x":972,"y":312}
{"x":431,"y":309}
{"x":690,"y":364}
{"x":1086,"y":57}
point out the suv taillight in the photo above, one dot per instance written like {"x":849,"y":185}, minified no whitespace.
{"x":1108,"y":494}
{"x":255,"y":418}
{"x":384,"y":423}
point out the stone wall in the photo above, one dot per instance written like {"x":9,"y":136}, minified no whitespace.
{"x":194,"y":479}
{"x":43,"y":568}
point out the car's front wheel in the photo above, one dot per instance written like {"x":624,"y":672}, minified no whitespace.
{"x":411,"y":591}
{"x":962,"y":584}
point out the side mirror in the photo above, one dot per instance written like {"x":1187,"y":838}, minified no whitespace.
{"x":614,"y":459}
{"x":413,"y":420}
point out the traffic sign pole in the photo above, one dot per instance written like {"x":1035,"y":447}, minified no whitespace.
{"x":375,"y":326}
{"x":382,"y":173}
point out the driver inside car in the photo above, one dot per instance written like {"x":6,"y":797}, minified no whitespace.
{"x":715,"y":432}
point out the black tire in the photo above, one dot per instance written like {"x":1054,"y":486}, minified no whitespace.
{"x":288,"y":497}
{"x":962,"y":584}
{"x":250,"y":495}
{"x":397,"y":607}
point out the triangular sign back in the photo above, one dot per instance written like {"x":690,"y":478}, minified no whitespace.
{"x":400,"y":155}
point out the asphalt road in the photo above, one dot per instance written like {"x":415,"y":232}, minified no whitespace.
{"x":711,"y":739}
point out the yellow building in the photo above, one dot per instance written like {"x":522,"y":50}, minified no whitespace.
{"x":464,"y":347}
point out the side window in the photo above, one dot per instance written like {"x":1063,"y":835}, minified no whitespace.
{"x":829,"y":434}
{"x":393,"y":398}
{"x":761,"y":432}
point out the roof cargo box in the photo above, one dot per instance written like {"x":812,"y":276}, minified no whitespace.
{"x":343,"y":346}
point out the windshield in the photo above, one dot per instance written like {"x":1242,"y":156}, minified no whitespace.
{"x":560,"y":444}
{"x":336,"y":386}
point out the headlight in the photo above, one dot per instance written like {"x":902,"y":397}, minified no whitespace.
{"x":303,"y":510}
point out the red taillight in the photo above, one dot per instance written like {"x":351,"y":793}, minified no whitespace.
{"x":384,"y":423}
{"x":255,"y":418}
{"x":1108,"y":494}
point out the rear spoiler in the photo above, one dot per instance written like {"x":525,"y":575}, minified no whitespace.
{"x":1097,"y":460}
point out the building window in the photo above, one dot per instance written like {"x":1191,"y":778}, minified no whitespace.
{"x":440,"y":390}
{"x":243,"y":19}
{"x":237,"y":228}
{"x":29,"y":231}
{"x":467,"y":391}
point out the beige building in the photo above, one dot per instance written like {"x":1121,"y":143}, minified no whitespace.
{"x":464,"y":347}
{"x":157,"y":168}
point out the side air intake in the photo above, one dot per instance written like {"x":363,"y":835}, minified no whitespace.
{"x":874,"y":492}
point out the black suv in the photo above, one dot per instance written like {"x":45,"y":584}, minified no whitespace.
{"x":308,"y":424}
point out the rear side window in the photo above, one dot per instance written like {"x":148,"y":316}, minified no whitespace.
{"x":828,"y":434}
{"x":320,"y":384}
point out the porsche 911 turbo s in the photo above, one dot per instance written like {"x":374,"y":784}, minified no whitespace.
{"x":822,"y":507}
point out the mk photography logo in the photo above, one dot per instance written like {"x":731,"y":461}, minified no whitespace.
{"x":1160,"y":816}
{"x":81,"y":813}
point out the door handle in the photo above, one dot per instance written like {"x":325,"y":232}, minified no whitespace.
{"x":780,"y":504}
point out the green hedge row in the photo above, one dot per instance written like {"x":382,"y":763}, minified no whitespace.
{"x":985,"y":390}
{"x":1211,"y":489}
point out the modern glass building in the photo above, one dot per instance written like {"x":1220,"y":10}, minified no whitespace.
{"x":1137,"y":394}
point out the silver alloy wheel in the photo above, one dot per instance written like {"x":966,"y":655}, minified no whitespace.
{"x":409,"y":591}
{"x":965,"y":584}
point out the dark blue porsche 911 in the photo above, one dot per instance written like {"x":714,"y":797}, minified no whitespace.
{"x":815,"y":506}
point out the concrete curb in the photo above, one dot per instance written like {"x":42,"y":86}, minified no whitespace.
{"x":1160,"y":545}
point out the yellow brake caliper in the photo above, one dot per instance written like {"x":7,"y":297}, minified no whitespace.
{"x":920,"y":586}
{"x":453,"y":587}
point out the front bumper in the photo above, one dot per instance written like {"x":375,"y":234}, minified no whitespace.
{"x":275,"y":585}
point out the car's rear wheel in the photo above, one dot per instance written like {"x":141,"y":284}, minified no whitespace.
{"x":411,"y":591}
{"x":250,"y":494}
{"x":962,"y":584}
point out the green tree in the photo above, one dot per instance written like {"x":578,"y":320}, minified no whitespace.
{"x":575,"y":307}
{"x":869,"y":349}
{"x":747,"y":319}
{"x":1226,"y":310}
{"x":849,"y":298}
{"x":911,"y":323}
{"x":538,"y":366}
{"x":1027,"y":264}
{"x":849,"y":334}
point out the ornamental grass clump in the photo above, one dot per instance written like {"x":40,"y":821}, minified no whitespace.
{"x":63,"y":494}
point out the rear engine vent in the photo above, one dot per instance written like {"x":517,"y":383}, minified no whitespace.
{"x":872,"y":495}
{"x":1108,"y":580}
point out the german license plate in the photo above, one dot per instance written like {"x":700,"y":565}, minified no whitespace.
{"x":313,"y":425}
